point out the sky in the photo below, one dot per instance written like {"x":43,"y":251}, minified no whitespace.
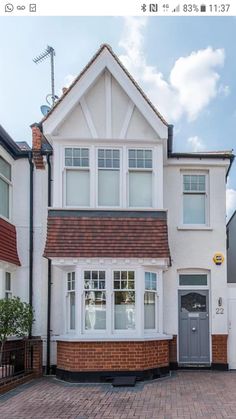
{"x":186,"y":65}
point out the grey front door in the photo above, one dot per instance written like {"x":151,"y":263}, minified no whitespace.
{"x":194,"y":327}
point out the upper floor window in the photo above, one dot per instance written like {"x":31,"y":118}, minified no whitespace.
{"x":5,"y":181}
{"x":194,"y":198}
{"x":77,"y":180}
{"x":108,"y":177}
{"x":140,"y":178}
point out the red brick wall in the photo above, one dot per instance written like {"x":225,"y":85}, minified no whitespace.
{"x":173,"y":349}
{"x":219,"y":349}
{"x":112,"y":356}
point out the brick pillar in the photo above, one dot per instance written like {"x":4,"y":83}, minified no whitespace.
{"x":37,"y":147}
{"x":219,"y":352}
{"x":37,"y":345}
{"x":173,"y":353}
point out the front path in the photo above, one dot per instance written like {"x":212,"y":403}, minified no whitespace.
{"x":185,"y":395}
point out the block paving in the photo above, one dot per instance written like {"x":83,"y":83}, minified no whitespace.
{"x":185,"y":395}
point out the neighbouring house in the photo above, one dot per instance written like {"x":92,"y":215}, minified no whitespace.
{"x":231,"y":279}
{"x":129,"y":236}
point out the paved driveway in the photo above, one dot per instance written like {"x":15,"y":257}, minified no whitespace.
{"x":185,"y":395}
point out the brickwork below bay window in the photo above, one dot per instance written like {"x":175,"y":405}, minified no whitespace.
{"x":173,"y":349}
{"x":219,"y":349}
{"x":112,"y":356}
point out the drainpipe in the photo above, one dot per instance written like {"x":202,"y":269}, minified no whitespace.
{"x":31,"y":233}
{"x":48,"y":365}
{"x":170,"y":139}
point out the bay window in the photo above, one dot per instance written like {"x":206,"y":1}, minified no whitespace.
{"x":95,"y":300}
{"x":108,"y":177}
{"x":71,"y":299}
{"x":77,"y":181}
{"x":124,"y":299}
{"x":5,"y":182}
{"x":194,"y":198}
{"x":140,"y":178}
{"x":150,"y":300}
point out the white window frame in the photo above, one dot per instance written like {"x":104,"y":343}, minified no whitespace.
{"x":76,"y":168}
{"x":136,"y":169}
{"x":206,"y":193}
{"x":194,"y":272}
{"x":93,"y":332}
{"x":123,"y":331}
{"x":121,"y":172}
{"x":156,"y":292}
{"x":68,"y":292}
{"x":9,"y":182}
{"x":9,"y":291}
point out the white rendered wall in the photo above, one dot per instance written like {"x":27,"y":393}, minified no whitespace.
{"x":194,"y":249}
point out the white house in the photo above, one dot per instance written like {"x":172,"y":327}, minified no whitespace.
{"x":125,"y":233}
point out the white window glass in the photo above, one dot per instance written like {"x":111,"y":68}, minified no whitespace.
{"x":77,"y":177}
{"x":194,"y":199}
{"x":140,"y":178}
{"x":108,"y":177}
{"x":124,"y":299}
{"x":5,"y":178}
{"x":193,"y":280}
{"x":8,"y":285}
{"x":71,"y":299}
{"x":77,"y":188}
{"x":150,"y":298}
{"x":95,"y":300}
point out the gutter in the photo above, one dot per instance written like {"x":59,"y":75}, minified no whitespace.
{"x":48,"y":364}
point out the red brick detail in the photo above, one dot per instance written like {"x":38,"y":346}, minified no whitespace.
{"x":8,"y":245}
{"x":106,"y":237}
{"x":112,"y":356}
{"x":36,"y":147}
{"x":219,"y":349}
{"x":173,"y":349}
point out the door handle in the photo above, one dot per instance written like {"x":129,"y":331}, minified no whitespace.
{"x":194,"y":329}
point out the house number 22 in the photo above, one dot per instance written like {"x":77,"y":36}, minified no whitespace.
{"x":219,"y":310}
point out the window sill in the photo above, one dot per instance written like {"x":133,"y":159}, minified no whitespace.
{"x":99,"y":338}
{"x":194,"y":227}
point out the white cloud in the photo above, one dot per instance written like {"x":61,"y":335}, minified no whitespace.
{"x":193,"y":80}
{"x":224,"y":90}
{"x":195,"y":143}
{"x":230,"y":202}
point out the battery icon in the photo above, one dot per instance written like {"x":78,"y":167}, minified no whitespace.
{"x":203,"y":8}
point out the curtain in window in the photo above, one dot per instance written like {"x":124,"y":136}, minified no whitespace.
{"x":95,"y":310}
{"x":108,"y":187}
{"x":140,"y":189}
{"x":194,"y":209}
{"x":149,"y":310}
{"x":124,"y":310}
{"x":4,"y":198}
{"x":77,"y":188}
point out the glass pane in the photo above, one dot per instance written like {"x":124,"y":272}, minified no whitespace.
{"x":5,"y":168}
{"x":68,"y":152}
{"x":8,"y":281}
{"x":109,"y":188}
{"x":149,"y":310}
{"x":193,"y":302}
{"x":117,"y":275}
{"x":124,"y":310}
{"x":196,"y":279}
{"x":4,"y":199}
{"x":95,"y":310}
{"x":72,"y":310}
{"x":194,"y":209}
{"x":77,"y":188}
{"x":132,"y":154}
{"x":140,"y":189}
{"x":68,"y":162}
{"x":84,"y":152}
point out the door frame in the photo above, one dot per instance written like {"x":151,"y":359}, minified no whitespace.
{"x":196,"y":288}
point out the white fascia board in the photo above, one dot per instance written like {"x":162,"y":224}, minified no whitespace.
{"x":198,"y":162}
{"x":103,"y":61}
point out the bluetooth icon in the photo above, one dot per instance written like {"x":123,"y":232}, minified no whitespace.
{"x":143,"y":7}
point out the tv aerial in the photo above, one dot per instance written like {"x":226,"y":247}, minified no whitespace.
{"x":49,"y":52}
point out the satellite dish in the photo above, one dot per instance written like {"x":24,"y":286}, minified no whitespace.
{"x":45,"y":109}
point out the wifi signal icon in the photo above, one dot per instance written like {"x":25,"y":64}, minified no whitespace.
{"x":177,"y":9}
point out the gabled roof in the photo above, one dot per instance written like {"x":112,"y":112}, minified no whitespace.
{"x":16,"y":150}
{"x":8,"y":245}
{"x":108,"y":47}
{"x":104,"y":59}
